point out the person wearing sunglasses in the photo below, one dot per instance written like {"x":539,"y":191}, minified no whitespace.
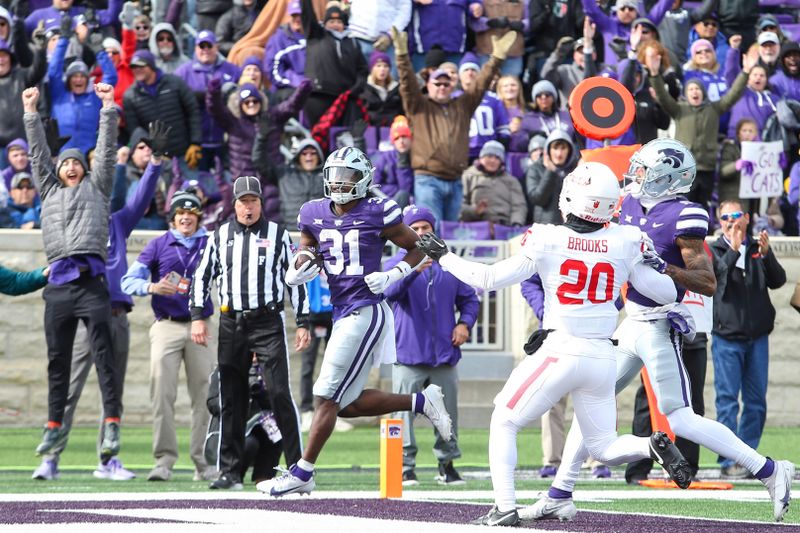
{"x":708,"y":29}
{"x":746,"y":268}
{"x":52,"y":14}
{"x":166,"y":47}
{"x":206,"y":65}
{"x":617,"y":28}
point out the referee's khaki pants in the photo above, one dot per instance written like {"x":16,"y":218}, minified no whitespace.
{"x":171,"y":343}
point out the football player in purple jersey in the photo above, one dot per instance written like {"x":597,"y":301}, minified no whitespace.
{"x":349,"y":228}
{"x":660,"y":173}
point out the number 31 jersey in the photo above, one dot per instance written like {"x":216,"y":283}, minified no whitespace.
{"x":582,"y":274}
{"x":351,"y":245}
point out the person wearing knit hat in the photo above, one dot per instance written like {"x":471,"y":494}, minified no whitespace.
{"x":251,"y":72}
{"x":545,"y":116}
{"x":490,"y":192}
{"x":536,"y":147}
{"x":382,"y":93}
{"x":428,"y":335}
{"x":393,"y":173}
{"x":335,"y":17}
{"x":77,"y":77}
{"x":704,"y":68}
{"x":163,"y":271}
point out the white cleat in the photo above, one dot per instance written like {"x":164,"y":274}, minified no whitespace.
{"x":113,"y":470}
{"x":779,"y":485}
{"x":436,"y":412}
{"x":286,"y":484}
{"x":547,"y":508}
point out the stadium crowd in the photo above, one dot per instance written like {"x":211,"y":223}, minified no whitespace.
{"x":461,"y":105}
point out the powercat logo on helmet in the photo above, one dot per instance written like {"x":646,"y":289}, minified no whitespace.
{"x":672,"y":157}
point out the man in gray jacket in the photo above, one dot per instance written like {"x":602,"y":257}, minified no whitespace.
{"x":75,"y":212}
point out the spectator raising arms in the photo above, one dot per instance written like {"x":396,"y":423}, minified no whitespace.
{"x":13,"y":80}
{"x":697,"y":122}
{"x":441,"y":127}
{"x":334,"y":62}
{"x":75,"y":211}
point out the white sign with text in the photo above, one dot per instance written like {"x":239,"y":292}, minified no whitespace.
{"x":766,"y":180}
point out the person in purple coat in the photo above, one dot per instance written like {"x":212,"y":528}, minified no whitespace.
{"x":242,"y":123}
{"x":393,"y":170}
{"x":121,"y":225}
{"x":442,"y":24}
{"x":758,"y":101}
{"x":164,"y":270}
{"x":619,"y":25}
{"x":285,"y":53}
{"x":544,"y":116}
{"x":428,"y":337}
{"x":206,"y":65}
{"x":52,"y":15}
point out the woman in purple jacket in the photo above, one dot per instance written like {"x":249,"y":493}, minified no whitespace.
{"x":544,"y":116}
{"x":243,"y":121}
{"x":428,"y":340}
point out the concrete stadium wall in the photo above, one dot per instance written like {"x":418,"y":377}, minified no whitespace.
{"x":23,"y":354}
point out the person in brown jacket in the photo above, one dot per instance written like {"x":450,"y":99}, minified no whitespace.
{"x":440,"y":124}
{"x":491,"y":193}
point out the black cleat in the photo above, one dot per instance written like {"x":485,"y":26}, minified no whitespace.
{"x":664,"y":452}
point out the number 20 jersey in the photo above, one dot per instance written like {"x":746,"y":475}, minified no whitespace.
{"x":351,"y":246}
{"x":582,"y":274}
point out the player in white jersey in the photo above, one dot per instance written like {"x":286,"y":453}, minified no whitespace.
{"x":582,"y":264}
{"x":662,"y":170}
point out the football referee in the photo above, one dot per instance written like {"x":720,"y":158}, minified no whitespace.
{"x":248,"y":258}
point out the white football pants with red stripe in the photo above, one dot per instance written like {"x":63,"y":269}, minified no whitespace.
{"x":537,"y":384}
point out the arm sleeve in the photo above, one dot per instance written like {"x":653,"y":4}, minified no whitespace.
{"x":505,"y":273}
{"x":311,"y":26}
{"x":136,"y":279}
{"x":120,"y":189}
{"x":204,"y":274}
{"x":733,"y":65}
{"x":17,"y":283}
{"x":109,"y":16}
{"x":137,"y":205}
{"x":533,"y":293}
{"x":657,"y":12}
{"x":702,"y":11}
{"x":409,"y":88}
{"x":776,"y":275}
{"x":468,"y":305}
{"x":190,"y":110}
{"x":657,"y":287}
{"x":298,"y":295}
{"x":731,"y":97}
{"x":218,"y":110}
{"x":55,"y":70}
{"x":109,"y":70}
{"x":663,"y":98}
{"x":102,"y":174}
{"x":41,"y":160}
{"x":37,"y":70}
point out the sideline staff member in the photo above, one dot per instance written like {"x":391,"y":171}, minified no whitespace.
{"x":248,"y":257}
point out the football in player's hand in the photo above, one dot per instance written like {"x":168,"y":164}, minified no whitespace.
{"x":305,"y":255}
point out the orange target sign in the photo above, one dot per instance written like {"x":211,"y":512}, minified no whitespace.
{"x":601,"y":108}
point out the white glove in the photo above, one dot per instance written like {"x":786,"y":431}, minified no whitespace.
{"x":378,"y":281}
{"x":296,"y":277}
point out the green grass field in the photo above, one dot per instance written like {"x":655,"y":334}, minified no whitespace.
{"x":350,"y":462}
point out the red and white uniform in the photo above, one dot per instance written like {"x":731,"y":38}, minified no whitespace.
{"x":582,"y":274}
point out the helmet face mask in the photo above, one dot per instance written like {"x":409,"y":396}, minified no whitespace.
{"x":347,"y":175}
{"x":661,"y":168}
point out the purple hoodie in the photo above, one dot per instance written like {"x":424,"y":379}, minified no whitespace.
{"x":52,"y":16}
{"x":285,"y":58}
{"x":442,"y":22}
{"x":423,"y":314}
{"x":390,"y":176}
{"x":753,"y":104}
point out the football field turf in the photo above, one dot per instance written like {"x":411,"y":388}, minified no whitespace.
{"x":349,"y":468}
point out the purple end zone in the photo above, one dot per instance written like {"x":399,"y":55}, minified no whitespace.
{"x":452,"y":513}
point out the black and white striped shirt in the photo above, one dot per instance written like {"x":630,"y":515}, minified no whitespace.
{"x":248,"y":264}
